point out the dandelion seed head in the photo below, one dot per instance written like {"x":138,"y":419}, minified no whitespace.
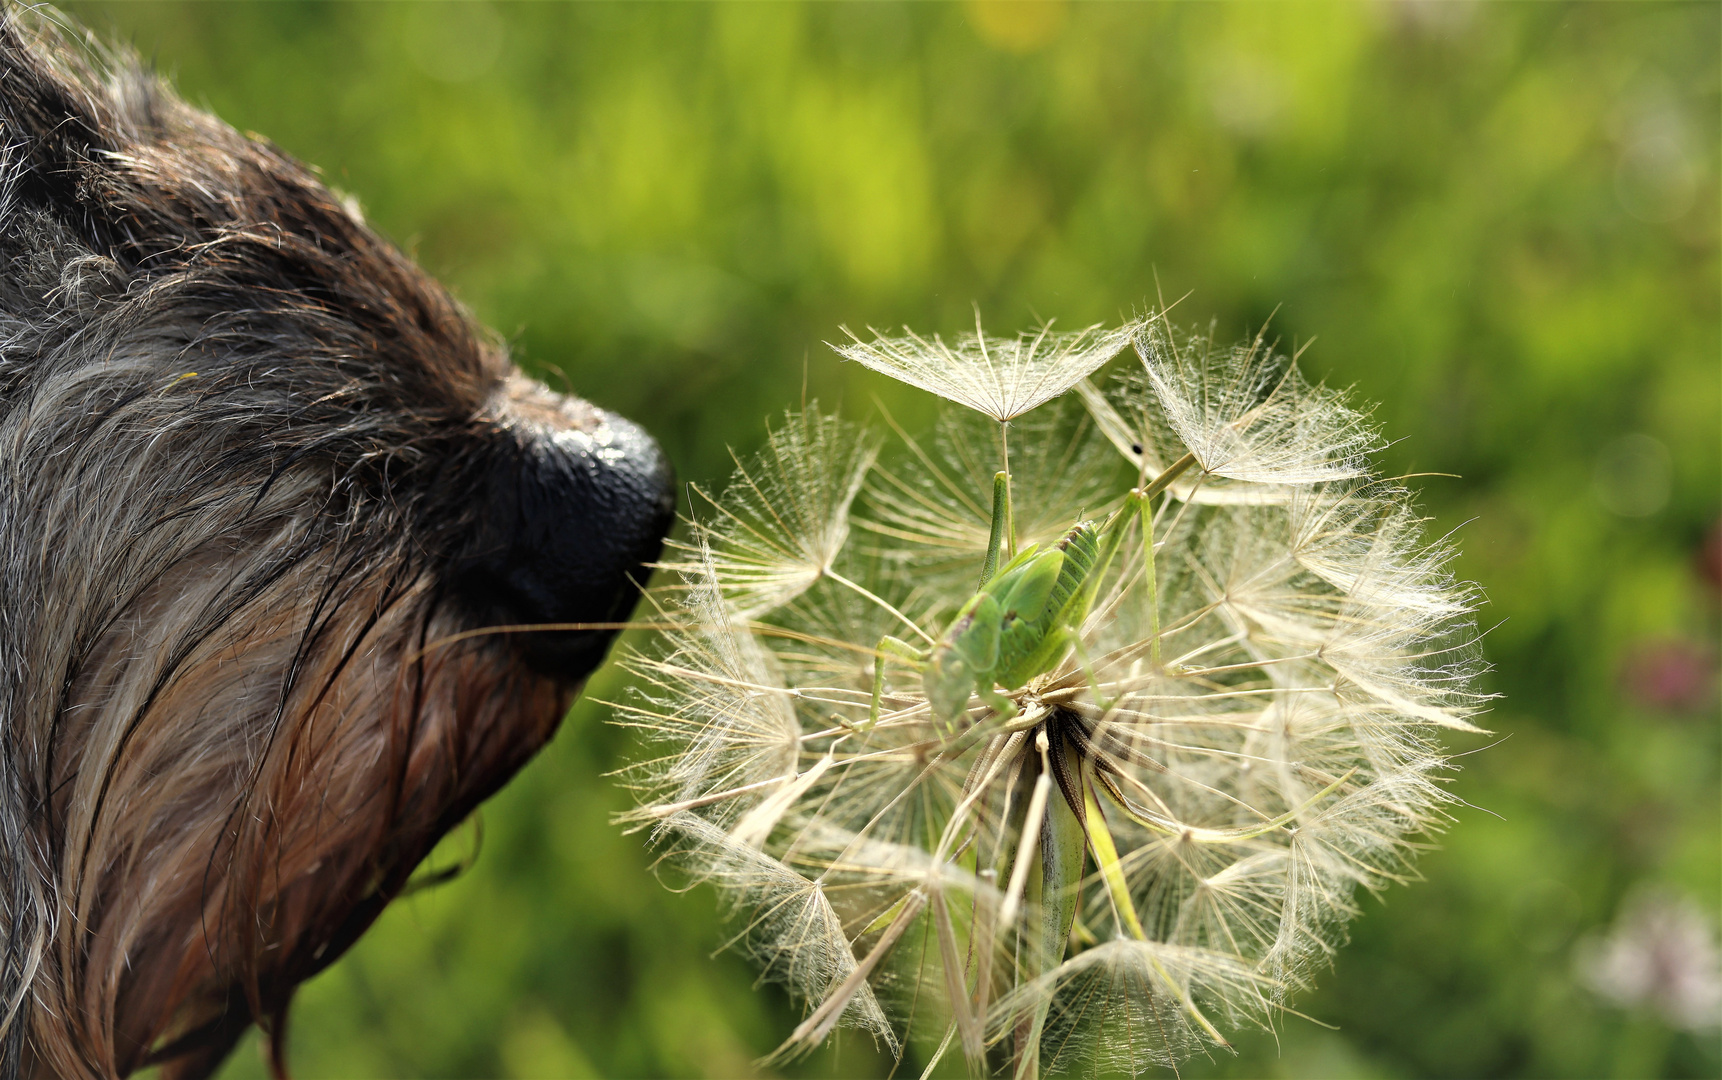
{"x":1158,"y":831}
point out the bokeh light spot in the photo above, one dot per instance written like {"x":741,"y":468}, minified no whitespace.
{"x":1018,"y":26}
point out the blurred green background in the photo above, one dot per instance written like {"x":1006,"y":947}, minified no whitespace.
{"x":1501,"y":220}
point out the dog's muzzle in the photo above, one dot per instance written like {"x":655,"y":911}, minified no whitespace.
{"x":565,"y":528}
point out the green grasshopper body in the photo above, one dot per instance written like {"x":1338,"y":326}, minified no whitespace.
{"x":1021,"y":623}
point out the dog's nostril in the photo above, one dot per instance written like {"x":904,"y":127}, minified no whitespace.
{"x":562,"y":536}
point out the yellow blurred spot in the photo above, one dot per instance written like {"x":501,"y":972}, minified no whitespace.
{"x":1018,"y":26}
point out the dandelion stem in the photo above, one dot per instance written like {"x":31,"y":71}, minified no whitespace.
{"x":1183,"y":993}
{"x":986,"y":925}
{"x":1173,"y":471}
{"x":664,"y":810}
{"x":1030,"y":836}
{"x":939,"y":1054}
{"x":1025,"y":849}
{"x":755,"y":827}
{"x":1004,"y":470}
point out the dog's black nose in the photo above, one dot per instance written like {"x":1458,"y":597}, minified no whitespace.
{"x":574,"y":511}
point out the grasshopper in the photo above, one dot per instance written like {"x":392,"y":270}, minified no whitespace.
{"x":1025,"y":617}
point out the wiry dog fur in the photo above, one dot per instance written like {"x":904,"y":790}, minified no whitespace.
{"x":256,"y":470}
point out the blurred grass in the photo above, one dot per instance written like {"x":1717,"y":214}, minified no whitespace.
{"x":1501,"y":220}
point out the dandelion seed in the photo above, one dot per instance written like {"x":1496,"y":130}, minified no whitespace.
{"x":1135,"y":427}
{"x":730,"y":720}
{"x":1124,"y":1005}
{"x":789,"y":927}
{"x":1365,"y":542}
{"x":1000,"y":377}
{"x":1091,"y":804}
{"x":784,"y":517}
{"x":1247,"y":414}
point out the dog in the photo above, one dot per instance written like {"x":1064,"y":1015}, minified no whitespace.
{"x":289,"y":558}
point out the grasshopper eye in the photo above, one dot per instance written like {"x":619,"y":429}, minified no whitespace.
{"x":1136,"y":448}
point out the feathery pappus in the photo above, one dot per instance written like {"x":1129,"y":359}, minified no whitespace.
{"x":1067,"y":734}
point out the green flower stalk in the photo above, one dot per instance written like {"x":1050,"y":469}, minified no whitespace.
{"x":1066,"y":735}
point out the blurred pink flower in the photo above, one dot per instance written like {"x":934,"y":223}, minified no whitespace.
{"x":1675,"y":676}
{"x":1661,"y":955}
